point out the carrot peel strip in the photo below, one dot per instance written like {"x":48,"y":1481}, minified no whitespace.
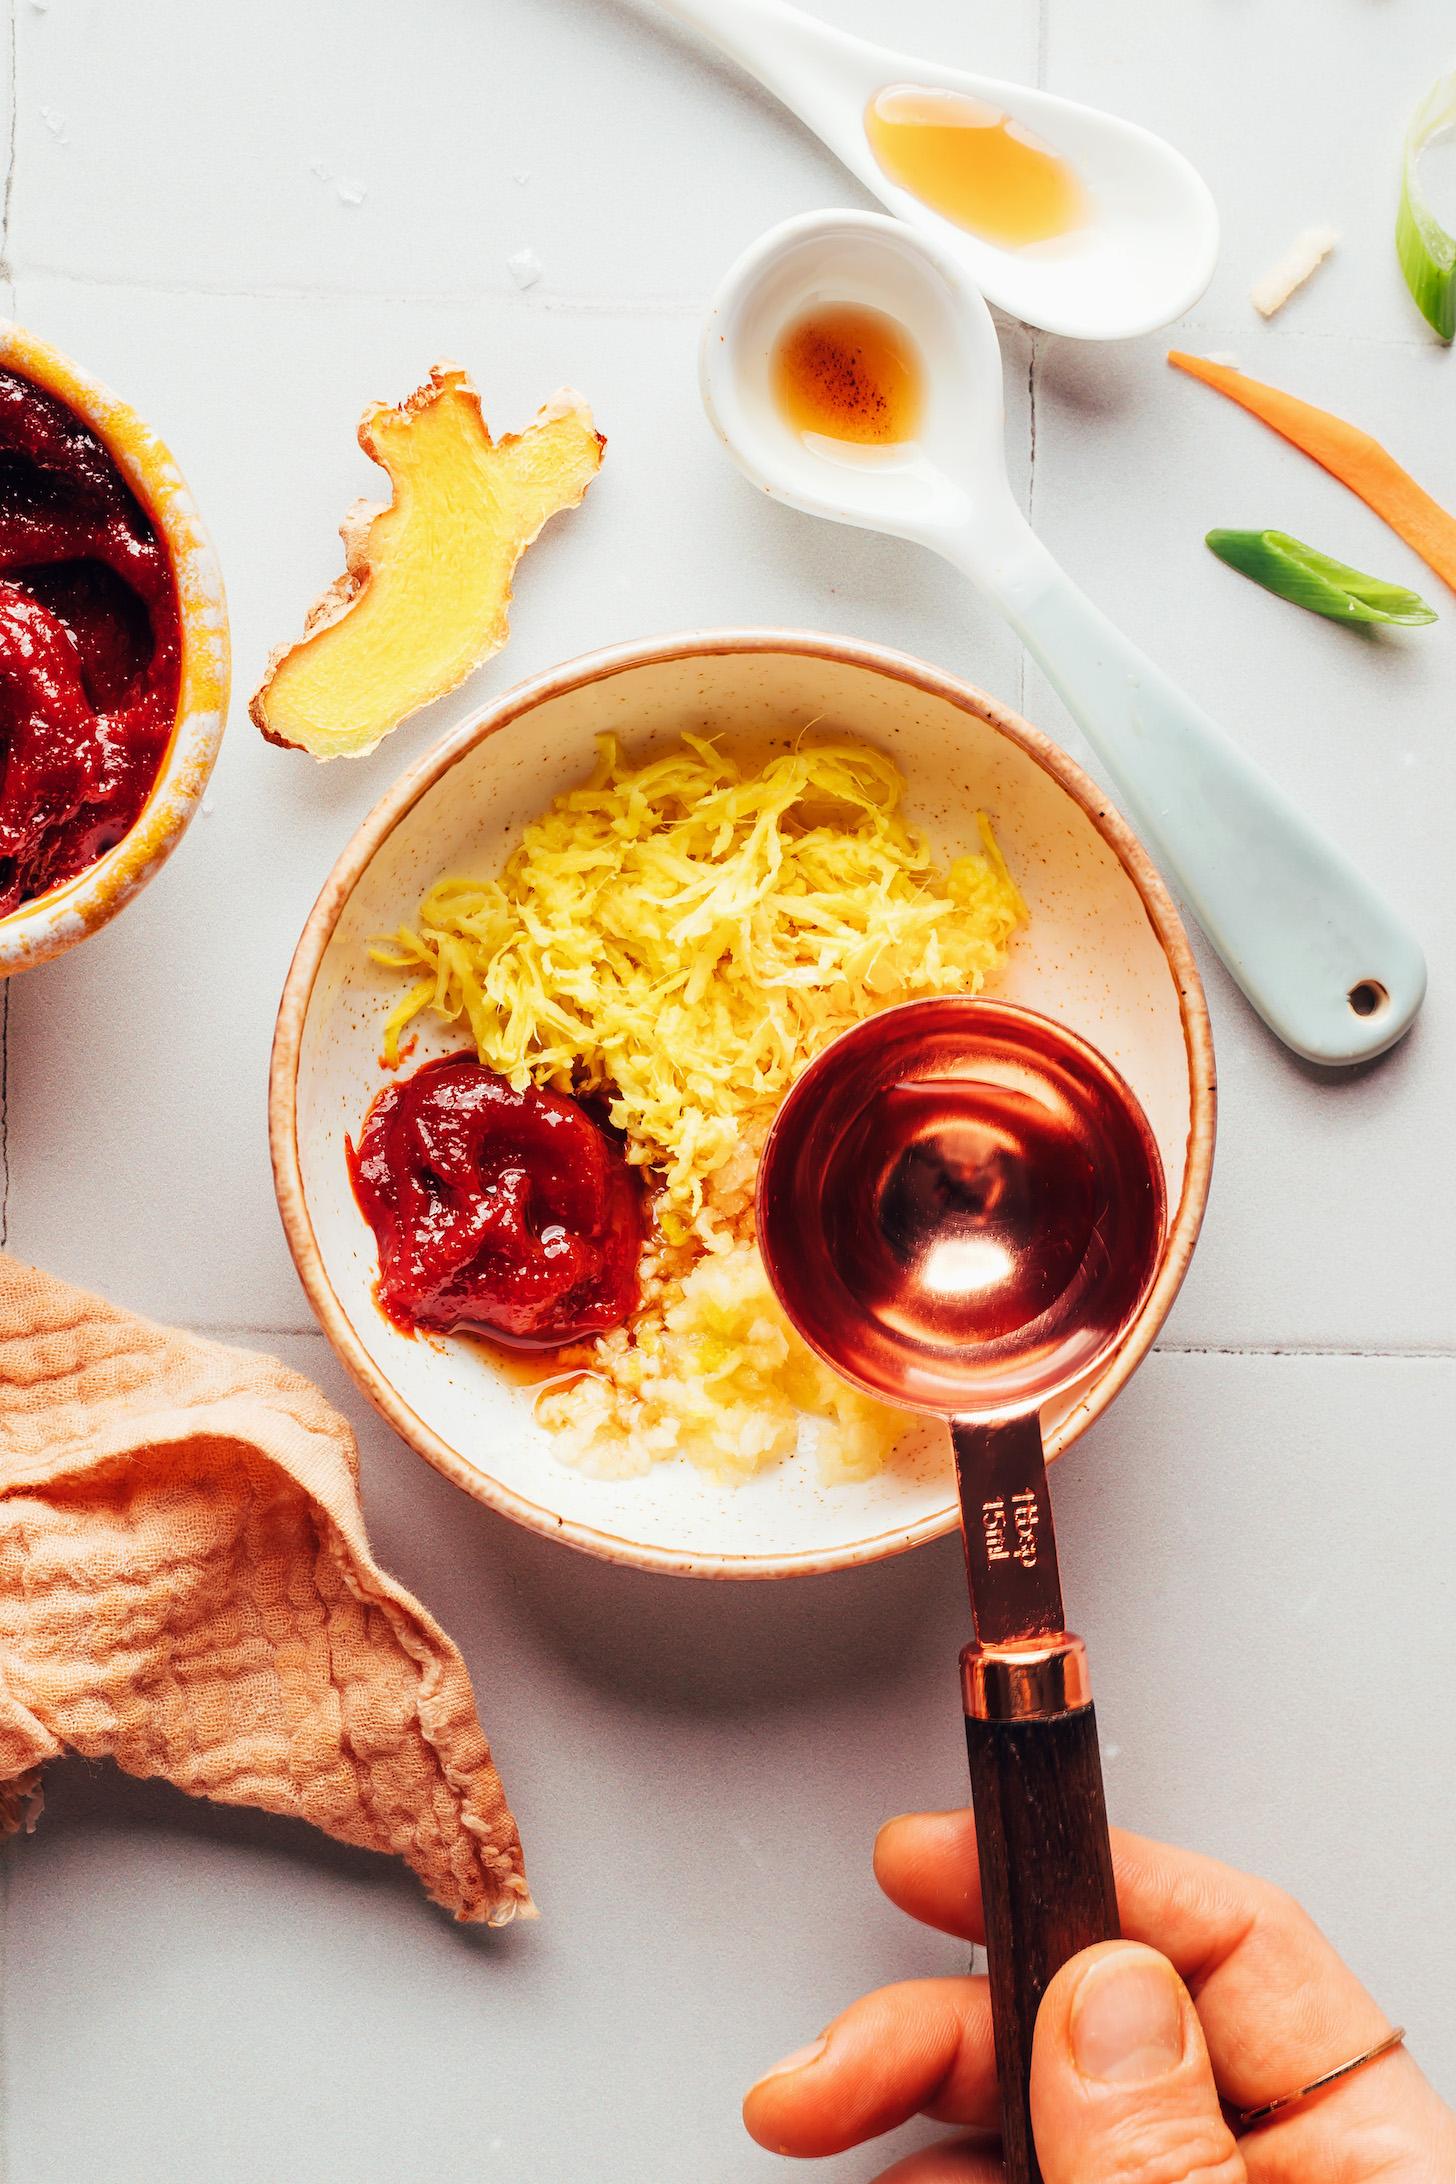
{"x":1349,"y":454}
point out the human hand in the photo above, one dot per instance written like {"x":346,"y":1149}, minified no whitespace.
{"x":1129,"y":2061}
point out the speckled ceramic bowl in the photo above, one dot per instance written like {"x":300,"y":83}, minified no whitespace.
{"x":1105,"y":953}
{"x":58,"y":919}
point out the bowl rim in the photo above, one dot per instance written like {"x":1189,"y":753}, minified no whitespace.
{"x":50,"y":923}
{"x":400,"y":799}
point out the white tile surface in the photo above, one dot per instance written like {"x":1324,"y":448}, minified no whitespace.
{"x":637,"y":149}
{"x":698,"y":1771}
{"x":1287,"y":137}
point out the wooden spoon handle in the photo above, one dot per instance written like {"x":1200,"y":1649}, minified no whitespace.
{"x":1046,"y":1865}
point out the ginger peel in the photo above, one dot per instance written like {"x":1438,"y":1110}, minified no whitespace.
{"x":426,"y":591}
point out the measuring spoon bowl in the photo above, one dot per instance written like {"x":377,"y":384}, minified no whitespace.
{"x":1142,"y":255}
{"x":961,"y":1207}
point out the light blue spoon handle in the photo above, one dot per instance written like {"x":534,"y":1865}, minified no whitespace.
{"x":1327,"y":965}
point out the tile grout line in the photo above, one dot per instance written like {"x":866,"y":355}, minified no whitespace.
{"x":1419,"y":1354}
{"x":6,"y":1853}
{"x":647,"y":306}
{"x":1042,"y":34}
{"x":7,"y":209}
{"x":6,"y":274}
{"x":567,"y":304}
{"x":1031,"y":382}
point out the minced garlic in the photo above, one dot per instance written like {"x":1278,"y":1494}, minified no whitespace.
{"x":1305,"y":255}
{"x":720,"y":1377}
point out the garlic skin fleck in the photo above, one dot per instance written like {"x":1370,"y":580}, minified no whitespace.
{"x":1304,"y":256}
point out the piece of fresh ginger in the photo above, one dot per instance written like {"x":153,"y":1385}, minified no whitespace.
{"x":427,"y":587}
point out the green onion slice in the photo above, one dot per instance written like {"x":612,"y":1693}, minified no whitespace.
{"x":1294,"y":571}
{"x":1427,"y":253}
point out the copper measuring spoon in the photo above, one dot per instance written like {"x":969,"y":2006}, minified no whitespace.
{"x":961,"y":1208}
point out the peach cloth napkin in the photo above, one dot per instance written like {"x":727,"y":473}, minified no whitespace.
{"x":186,"y":1586}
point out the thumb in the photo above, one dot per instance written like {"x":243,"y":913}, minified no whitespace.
{"x":1121,"y":2087}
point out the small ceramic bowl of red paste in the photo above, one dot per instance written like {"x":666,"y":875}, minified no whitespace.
{"x":114,"y":660}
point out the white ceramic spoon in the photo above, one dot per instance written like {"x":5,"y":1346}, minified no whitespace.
{"x":1148,"y":248}
{"x":1325,"y":963}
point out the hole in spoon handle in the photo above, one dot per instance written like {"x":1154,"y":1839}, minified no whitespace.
{"x":1298,"y":926}
{"x":1046,"y":1873}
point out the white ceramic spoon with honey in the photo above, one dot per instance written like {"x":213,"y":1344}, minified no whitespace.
{"x":1326,"y":964}
{"x":1078,"y":222}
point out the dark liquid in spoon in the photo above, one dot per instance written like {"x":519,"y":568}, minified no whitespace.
{"x":846,"y":372}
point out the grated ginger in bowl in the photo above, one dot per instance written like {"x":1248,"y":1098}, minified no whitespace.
{"x":717,"y":1375}
{"x":682,"y":937}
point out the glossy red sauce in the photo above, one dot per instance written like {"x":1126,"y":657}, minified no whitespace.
{"x":90,"y":646}
{"x":508,"y":1214}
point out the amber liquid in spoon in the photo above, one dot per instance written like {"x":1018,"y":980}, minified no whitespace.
{"x":974,"y":165}
{"x":845,"y":372}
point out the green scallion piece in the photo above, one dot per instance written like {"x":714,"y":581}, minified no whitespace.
{"x":1426,"y":251}
{"x":1294,"y":571}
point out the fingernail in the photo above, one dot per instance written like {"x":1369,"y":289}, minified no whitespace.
{"x":799,"y":2060}
{"x":1127,"y":2020}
